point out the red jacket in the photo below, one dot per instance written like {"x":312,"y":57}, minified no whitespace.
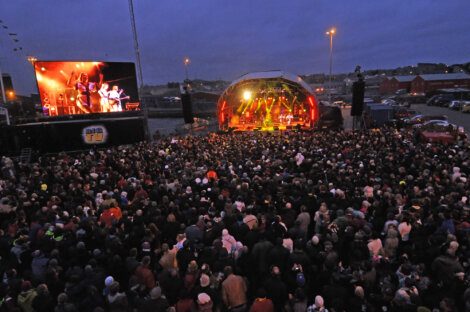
{"x":262,"y":305}
{"x":145,"y":276}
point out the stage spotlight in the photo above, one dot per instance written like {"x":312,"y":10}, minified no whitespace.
{"x":247,"y":95}
{"x":43,"y":68}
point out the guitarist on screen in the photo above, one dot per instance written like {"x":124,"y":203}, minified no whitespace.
{"x":115,"y":98}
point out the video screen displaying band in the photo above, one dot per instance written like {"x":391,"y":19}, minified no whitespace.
{"x":75,"y":87}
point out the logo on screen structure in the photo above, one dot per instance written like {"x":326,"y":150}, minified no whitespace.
{"x":95,"y":134}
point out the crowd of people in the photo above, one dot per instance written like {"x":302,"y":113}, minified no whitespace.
{"x":294,"y":221}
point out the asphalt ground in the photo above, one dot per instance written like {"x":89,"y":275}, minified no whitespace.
{"x":170,"y":125}
{"x":456,"y":117}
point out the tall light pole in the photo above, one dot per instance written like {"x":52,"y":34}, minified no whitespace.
{"x":2,"y":87}
{"x":136,"y":44}
{"x":331,"y":32}
{"x":186,"y":62}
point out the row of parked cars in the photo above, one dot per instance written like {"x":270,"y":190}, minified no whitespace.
{"x":421,"y":124}
{"x":450,"y":101}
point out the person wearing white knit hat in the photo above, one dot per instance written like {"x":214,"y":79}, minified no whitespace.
{"x":318,"y":306}
{"x":204,"y":303}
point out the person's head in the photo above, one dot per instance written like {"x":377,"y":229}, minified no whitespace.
{"x":115,"y":88}
{"x":203,"y":299}
{"x":228,"y":270}
{"x":275,"y":271}
{"x":42,"y":290}
{"x":204,"y":280}
{"x":105,"y":86}
{"x":62,"y":298}
{"x":83,"y":77}
{"x":155,"y":293}
{"x":146,"y":260}
{"x":359,"y":292}
{"x":319,"y":302}
{"x":453,"y":246}
{"x":114,"y":288}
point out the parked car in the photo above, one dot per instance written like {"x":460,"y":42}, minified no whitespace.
{"x":442,"y":126}
{"x":420,"y":119}
{"x":434,"y":124}
{"x":458,"y":105}
{"x":389,"y":102}
{"x":455,"y":105}
{"x":440,"y":100}
{"x":466,"y":107}
{"x":439,"y":131}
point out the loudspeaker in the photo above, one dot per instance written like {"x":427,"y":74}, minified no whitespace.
{"x":187,"y":108}
{"x":358,"y":98}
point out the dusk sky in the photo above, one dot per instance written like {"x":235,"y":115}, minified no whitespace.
{"x":226,"y":39}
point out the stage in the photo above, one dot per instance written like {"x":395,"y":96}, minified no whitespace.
{"x":267,"y":101}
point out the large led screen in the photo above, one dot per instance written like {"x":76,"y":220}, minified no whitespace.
{"x":75,"y":87}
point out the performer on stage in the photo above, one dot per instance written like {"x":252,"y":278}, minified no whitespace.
{"x":289,"y":118}
{"x":104,"y":98}
{"x":84,"y":89}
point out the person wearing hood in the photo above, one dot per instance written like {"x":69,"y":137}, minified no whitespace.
{"x":228,"y":241}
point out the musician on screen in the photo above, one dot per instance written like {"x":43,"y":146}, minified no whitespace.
{"x":115,"y":99}
{"x":84,"y":89}
{"x":104,"y":98}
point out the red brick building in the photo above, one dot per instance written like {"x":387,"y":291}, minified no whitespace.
{"x":391,"y":85}
{"x":427,"y":83}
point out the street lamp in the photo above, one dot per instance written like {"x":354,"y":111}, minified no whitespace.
{"x":331,"y":32}
{"x":186,"y":62}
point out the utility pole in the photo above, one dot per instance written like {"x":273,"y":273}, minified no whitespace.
{"x":139,"y":67}
{"x":4,"y":98}
{"x":136,"y":44}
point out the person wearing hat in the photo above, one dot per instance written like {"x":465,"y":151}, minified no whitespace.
{"x":318,"y":306}
{"x":205,"y":287}
{"x":204,"y":303}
